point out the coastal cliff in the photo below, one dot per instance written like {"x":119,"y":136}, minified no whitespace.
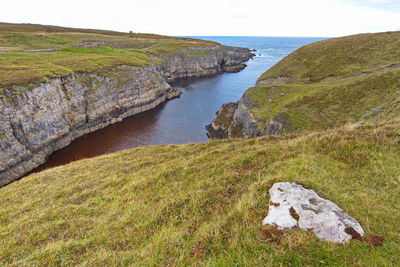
{"x":324,"y":85}
{"x":37,"y":121}
{"x":195,"y":62}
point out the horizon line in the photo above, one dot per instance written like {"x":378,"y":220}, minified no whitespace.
{"x":273,"y":36}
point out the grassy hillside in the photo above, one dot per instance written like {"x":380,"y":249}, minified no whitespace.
{"x":203,"y":203}
{"x":329,"y":83}
{"x":33,"y":53}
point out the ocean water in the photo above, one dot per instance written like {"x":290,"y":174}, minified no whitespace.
{"x":183,"y":120}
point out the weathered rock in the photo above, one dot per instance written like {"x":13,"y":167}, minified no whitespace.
{"x":274,"y":128}
{"x":233,"y":121}
{"x":173,"y":93}
{"x":278,"y":124}
{"x":244,"y":124}
{"x":219,"y":128}
{"x":244,"y":118}
{"x":36,"y":122}
{"x":291,"y":205}
{"x":203,"y":61}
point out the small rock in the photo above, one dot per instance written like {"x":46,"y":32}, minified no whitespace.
{"x":291,"y":205}
{"x":282,"y":94}
{"x":173,"y":93}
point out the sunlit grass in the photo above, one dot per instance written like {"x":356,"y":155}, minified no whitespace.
{"x":332,"y":82}
{"x":204,"y":203}
{"x":34,"y":53}
{"x":337,"y":57}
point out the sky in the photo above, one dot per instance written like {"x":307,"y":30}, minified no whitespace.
{"x":312,"y":18}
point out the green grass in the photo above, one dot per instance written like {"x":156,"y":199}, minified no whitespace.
{"x":202,"y":204}
{"x":324,"y":105}
{"x":344,"y":56}
{"x":24,"y":68}
{"x":331,"y":83}
{"x":30,"y":54}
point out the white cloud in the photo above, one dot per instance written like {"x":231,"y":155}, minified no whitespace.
{"x":212,"y":17}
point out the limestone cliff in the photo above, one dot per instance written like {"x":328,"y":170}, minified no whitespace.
{"x":34,"y":123}
{"x":203,"y":61}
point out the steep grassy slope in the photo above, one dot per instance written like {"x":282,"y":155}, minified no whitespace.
{"x":33,"y":53}
{"x":331,"y":82}
{"x":204,"y":203}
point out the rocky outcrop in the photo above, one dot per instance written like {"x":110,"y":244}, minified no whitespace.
{"x":242,"y":124}
{"x":291,"y":205}
{"x":36,"y":122}
{"x":233,"y":120}
{"x":221,"y":127}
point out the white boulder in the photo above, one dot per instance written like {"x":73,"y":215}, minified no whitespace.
{"x":291,"y":205}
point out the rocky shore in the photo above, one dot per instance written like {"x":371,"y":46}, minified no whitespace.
{"x":36,"y":122}
{"x":234,"y":120}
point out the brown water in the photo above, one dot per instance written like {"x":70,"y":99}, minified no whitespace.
{"x":182,"y":120}
{"x":178,"y":121}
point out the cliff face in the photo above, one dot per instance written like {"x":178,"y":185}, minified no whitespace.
{"x":203,"y":61}
{"x":35,"y":123}
{"x":234,"y":120}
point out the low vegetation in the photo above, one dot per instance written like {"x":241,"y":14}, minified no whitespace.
{"x":34,"y":53}
{"x":203,"y":203}
{"x":332,"y":82}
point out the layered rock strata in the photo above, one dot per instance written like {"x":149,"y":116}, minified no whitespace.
{"x":36,"y":122}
